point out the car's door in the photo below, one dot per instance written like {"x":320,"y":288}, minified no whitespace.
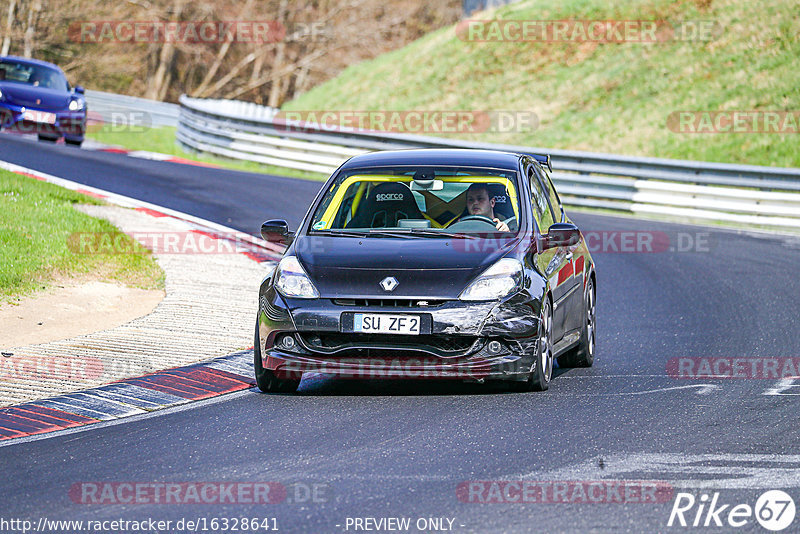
{"x":553,"y":262}
{"x":572,"y":304}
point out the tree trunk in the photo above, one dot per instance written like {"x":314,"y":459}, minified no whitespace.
{"x":223,"y":51}
{"x":275,"y":92}
{"x":300,"y":82}
{"x":9,"y":25}
{"x":30,"y":29}
{"x":159,"y":83}
{"x":158,"y":80}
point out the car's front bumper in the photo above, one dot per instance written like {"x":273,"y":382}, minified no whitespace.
{"x":469,"y":340}
{"x":71,"y":124}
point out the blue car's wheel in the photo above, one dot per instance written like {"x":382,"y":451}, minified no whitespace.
{"x":49,"y":138}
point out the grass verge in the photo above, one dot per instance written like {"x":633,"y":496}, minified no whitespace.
{"x":603,"y":97}
{"x":36,"y":222}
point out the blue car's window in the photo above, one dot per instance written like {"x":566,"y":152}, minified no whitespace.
{"x":34,"y":75}
{"x":466,"y":200}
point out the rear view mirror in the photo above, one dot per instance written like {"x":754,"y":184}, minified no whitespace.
{"x":276,"y":231}
{"x":425,"y":180}
{"x":430,"y":185}
{"x":79,"y":89}
{"x":560,"y":235}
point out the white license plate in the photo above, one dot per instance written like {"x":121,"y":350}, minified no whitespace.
{"x":43,"y":117}
{"x":379,"y":323}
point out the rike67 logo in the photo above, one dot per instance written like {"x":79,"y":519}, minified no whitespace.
{"x":774,"y":510}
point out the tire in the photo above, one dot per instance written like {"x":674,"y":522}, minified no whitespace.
{"x":48,"y":138}
{"x":583,"y":354}
{"x":73,"y":142}
{"x":539,"y":379}
{"x":265,"y":378}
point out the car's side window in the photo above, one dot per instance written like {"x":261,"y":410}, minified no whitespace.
{"x":555,"y":202}
{"x":544,"y":217}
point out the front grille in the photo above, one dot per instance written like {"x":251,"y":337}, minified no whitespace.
{"x":389,"y":303}
{"x":441,"y":345}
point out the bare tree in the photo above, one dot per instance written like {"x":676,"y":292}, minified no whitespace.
{"x":322,"y":38}
{"x":34,"y":8}
{"x":12,"y":5}
{"x":159,"y":83}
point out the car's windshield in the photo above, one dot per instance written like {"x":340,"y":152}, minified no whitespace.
{"x":465,"y":200}
{"x":35,"y":75}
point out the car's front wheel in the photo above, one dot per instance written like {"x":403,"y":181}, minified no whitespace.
{"x":539,"y":379}
{"x":266,"y":379}
{"x":583,"y":354}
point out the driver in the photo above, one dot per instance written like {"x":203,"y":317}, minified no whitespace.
{"x":480,"y":202}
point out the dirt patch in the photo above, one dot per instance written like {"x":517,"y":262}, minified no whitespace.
{"x":72,"y":309}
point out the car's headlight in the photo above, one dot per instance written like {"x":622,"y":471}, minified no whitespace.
{"x":292,"y":281}
{"x":1,"y":95}
{"x":496,"y":282}
{"x":76,"y":105}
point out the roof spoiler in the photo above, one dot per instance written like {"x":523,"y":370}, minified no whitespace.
{"x":544,"y":160}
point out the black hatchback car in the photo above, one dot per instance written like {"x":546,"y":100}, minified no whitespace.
{"x":429,"y":264}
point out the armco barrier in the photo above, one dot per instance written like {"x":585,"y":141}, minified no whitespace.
{"x":116,"y":109}
{"x":744,"y":194}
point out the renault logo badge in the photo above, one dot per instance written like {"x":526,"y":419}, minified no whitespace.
{"x":38,"y":101}
{"x":389,"y":283}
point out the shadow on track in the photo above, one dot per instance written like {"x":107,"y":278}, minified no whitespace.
{"x":318,"y":384}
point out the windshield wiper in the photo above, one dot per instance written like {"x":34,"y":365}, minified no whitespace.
{"x":441,"y":233}
{"x":335,"y":231}
{"x":363,"y":233}
{"x":396,"y":232}
{"x":390,"y":233}
{"x":414,"y":232}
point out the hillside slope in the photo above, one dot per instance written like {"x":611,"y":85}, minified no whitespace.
{"x":606,"y":97}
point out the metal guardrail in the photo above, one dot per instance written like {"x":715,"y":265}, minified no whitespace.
{"x":745,"y":194}
{"x":130,"y":110}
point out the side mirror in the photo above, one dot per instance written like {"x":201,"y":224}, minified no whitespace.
{"x":560,"y":235}
{"x":276,"y":231}
{"x":79,"y":89}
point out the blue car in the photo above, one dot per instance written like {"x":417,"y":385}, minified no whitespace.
{"x":35,"y":97}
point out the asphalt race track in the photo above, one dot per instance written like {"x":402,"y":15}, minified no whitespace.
{"x":347,"y":449}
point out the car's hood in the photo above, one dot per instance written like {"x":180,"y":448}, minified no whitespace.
{"x":35,"y":97}
{"x":345,"y":267}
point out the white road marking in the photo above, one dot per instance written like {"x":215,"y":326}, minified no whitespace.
{"x":704,"y":389}
{"x":782,"y":385}
{"x":698,"y":471}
